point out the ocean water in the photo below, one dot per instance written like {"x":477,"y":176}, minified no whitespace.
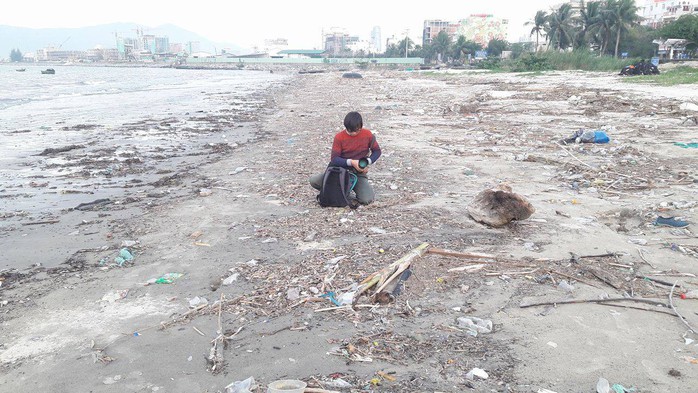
{"x":122,"y":121}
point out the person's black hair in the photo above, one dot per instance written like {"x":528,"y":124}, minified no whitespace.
{"x":353,"y":121}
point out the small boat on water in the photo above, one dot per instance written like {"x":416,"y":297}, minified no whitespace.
{"x":21,"y":69}
{"x":50,"y":71}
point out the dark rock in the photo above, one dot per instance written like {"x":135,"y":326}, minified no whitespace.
{"x":52,"y":150}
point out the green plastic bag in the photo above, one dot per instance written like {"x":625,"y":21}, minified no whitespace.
{"x":168,"y":278}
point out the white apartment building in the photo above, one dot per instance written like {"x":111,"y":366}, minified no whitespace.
{"x":658,"y":12}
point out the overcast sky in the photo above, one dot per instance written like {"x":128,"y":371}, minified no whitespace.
{"x":248,"y":23}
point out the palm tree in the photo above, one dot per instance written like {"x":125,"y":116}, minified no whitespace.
{"x":588,"y":16}
{"x":603,"y":26}
{"x":623,"y":14}
{"x":538,"y":23}
{"x":440,"y":44}
{"x":560,"y":25}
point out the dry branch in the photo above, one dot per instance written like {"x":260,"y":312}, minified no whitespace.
{"x":608,"y":300}
{"x":390,"y":272}
{"x":671,"y":303}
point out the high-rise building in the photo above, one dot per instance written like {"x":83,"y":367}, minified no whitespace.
{"x":162,"y":45}
{"x":433,"y":27}
{"x":483,"y":28}
{"x":376,"y":40}
{"x":127,"y":47}
{"x":149,"y":43}
{"x":338,"y":42}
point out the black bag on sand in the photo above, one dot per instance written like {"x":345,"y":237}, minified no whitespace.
{"x":336,"y":186}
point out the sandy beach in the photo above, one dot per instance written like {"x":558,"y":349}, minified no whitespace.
{"x":256,"y":252}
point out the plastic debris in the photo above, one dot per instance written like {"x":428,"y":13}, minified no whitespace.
{"x":293,"y":293}
{"x":246,"y":386}
{"x":476,"y":372}
{"x":113,"y":296}
{"x":232,"y":278}
{"x":124,"y":256}
{"x":331,"y":296}
{"x":475,"y":325}
{"x":588,"y":136}
{"x":687,"y":145}
{"x":338,"y":383}
{"x":238,"y":170}
{"x":197,"y":301}
{"x":333,"y":262}
{"x":617,"y":388}
{"x":565,"y":286}
{"x":346,"y":298}
{"x":602,"y":386}
{"x":112,"y":380}
{"x":167,"y":278}
{"x":287,"y":386}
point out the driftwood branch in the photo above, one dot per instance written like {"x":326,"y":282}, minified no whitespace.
{"x":658,"y":281}
{"x":608,"y":300}
{"x":384,"y":276}
{"x":658,"y":310}
{"x":466,"y":255}
{"x":671,"y":303}
{"x":608,"y":254}
{"x":574,"y":278}
{"x":642,"y":256}
{"x":475,"y":256}
{"x":41,"y":222}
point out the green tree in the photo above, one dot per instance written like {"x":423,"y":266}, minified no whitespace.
{"x":623,"y":14}
{"x":404,"y":46}
{"x":496,"y":47}
{"x":418,"y":51}
{"x":539,"y":22}
{"x":392,"y":50}
{"x":462,"y":47}
{"x":560,"y":27}
{"x":638,"y":42}
{"x":440,"y":45}
{"x":16,"y":55}
{"x":686,"y":27}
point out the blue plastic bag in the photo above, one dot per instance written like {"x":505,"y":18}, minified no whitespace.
{"x":601,"y":137}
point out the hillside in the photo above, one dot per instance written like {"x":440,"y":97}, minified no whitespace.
{"x":29,"y":40}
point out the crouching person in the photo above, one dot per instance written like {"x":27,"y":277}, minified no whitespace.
{"x":354,"y":149}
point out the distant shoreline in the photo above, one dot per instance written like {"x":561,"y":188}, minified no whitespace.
{"x":268,"y":67}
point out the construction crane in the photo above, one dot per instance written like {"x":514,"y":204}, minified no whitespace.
{"x":61,"y":45}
